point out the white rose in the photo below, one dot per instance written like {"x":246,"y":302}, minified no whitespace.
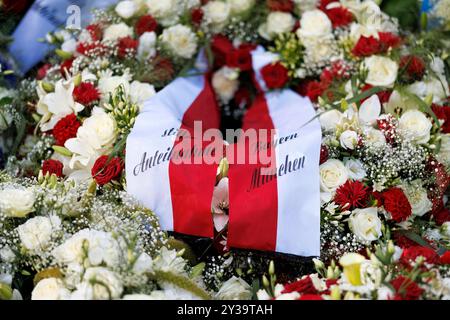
{"x":438,"y":88}
{"x":126,"y":9}
{"x":216,"y":13}
{"x":99,"y":284}
{"x":180,"y":40}
{"x":277,"y":22}
{"x":225,"y":85}
{"x":117,"y":31}
{"x":365,"y":224}
{"x":418,"y":198}
{"x":314,"y":24}
{"x":416,"y":125}
{"x":348,"y":139}
{"x":382,"y":71}
{"x":330,"y":119}
{"x":16,"y":203}
{"x":166,"y":11}
{"x":140,"y":92}
{"x":50,"y":289}
{"x":234,"y":289}
{"x":147,"y":45}
{"x":355,"y":169}
{"x":240,"y":6}
{"x":36,"y":233}
{"x":333,"y":174}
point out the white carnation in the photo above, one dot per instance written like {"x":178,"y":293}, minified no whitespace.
{"x":314,"y":24}
{"x":140,"y":92}
{"x":277,"y":22}
{"x":216,"y":14}
{"x":126,"y":9}
{"x":98,"y":284}
{"x":180,"y":40}
{"x":166,"y":11}
{"x":117,"y":31}
{"x":36,"y":233}
{"x":16,"y":202}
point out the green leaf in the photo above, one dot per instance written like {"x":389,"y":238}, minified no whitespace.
{"x":6,"y":100}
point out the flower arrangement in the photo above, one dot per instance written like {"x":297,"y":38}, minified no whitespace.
{"x":382,"y":97}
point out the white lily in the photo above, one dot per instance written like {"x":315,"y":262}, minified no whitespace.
{"x":370,"y":110}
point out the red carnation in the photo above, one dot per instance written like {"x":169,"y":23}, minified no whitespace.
{"x":406,"y":289}
{"x":410,"y":254}
{"x":65,"y":129}
{"x":351,"y":195}
{"x":280,"y":5}
{"x":127,"y":46}
{"x":305,"y":286}
{"x":366,"y":46}
{"x":441,"y":216}
{"x":240,"y":58}
{"x":314,"y":89}
{"x":388,"y":40}
{"x":339,"y":16}
{"x":337,"y":70}
{"x":42,"y":71}
{"x":86,"y":93}
{"x":51,"y":166}
{"x":310,"y":297}
{"x":443,"y":113}
{"x":413,"y":66}
{"x":396,"y":203}
{"x":95,"y":31}
{"x":66,"y":65}
{"x":323,"y":154}
{"x":104,"y":171}
{"x":91,"y":48}
{"x":275,"y":75}
{"x":445,"y":258}
{"x":145,"y":24}
{"x":197,"y":16}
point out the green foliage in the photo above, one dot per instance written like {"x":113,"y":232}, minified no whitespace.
{"x":406,"y":11}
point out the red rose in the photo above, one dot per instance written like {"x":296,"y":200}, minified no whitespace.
{"x":51,"y":166}
{"x":197,"y":16}
{"x":240,"y":58}
{"x":95,"y":31}
{"x":413,"y":67}
{"x":127,"y":46}
{"x":42,"y":72}
{"x":280,"y":5}
{"x":304,"y":286}
{"x":314,"y":89}
{"x":86,"y":93}
{"x":65,"y":66}
{"x":310,"y":297}
{"x":388,"y":40}
{"x":339,"y":16}
{"x":396,"y":203}
{"x":104,"y":171}
{"x":145,"y":24}
{"x":406,"y":289}
{"x":366,"y":46}
{"x":65,"y":129}
{"x":275,"y":75}
{"x":410,"y":254}
{"x":445,"y":258}
{"x":351,"y":195}
{"x":323,"y":154}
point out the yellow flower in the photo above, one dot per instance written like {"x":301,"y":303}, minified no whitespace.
{"x":351,"y":262}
